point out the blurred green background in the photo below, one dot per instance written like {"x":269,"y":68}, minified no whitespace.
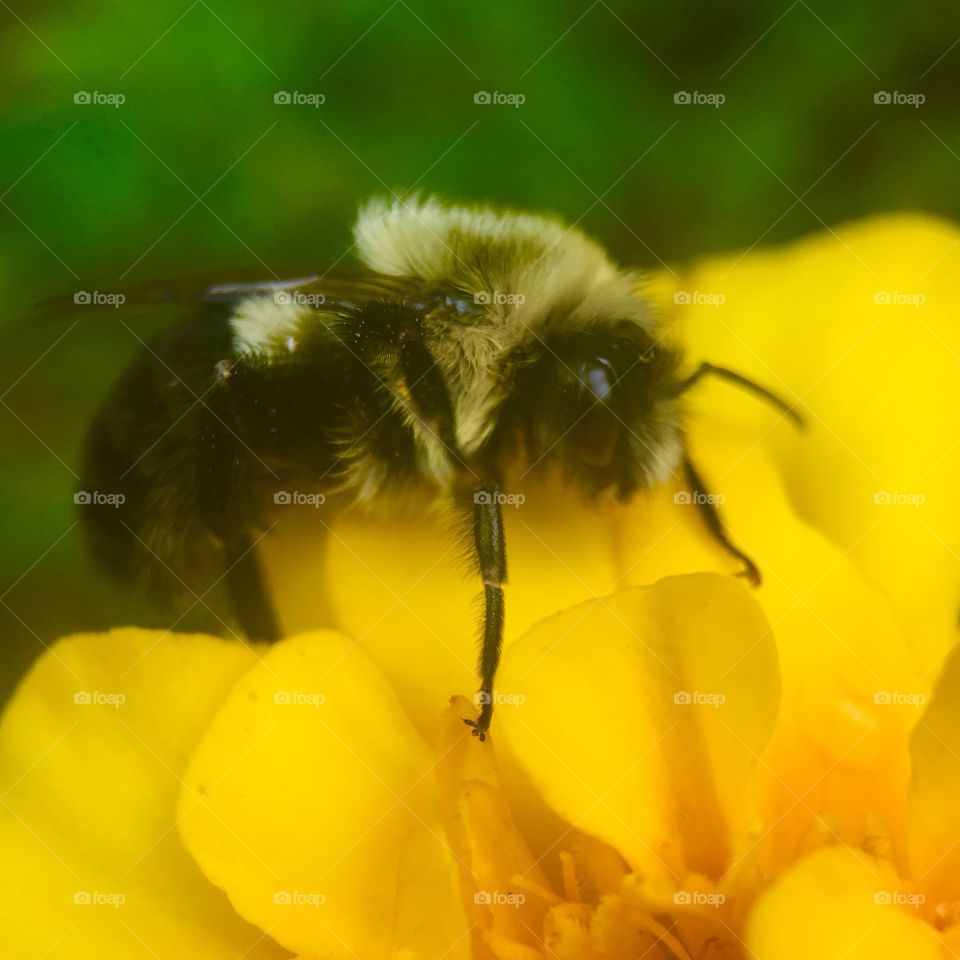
{"x":199,"y":169}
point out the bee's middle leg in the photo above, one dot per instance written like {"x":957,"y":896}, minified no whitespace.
{"x":247,"y":589}
{"x":706,"y":504}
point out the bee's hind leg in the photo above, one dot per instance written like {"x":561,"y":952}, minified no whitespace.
{"x":707,"y":505}
{"x":226,"y":471}
{"x":247,"y":591}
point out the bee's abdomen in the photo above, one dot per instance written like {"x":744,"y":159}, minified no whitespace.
{"x":143,"y":522}
{"x":195,"y":442}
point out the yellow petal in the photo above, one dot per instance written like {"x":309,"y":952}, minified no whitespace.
{"x":859,"y":326}
{"x":307,"y":799}
{"x":838,"y":763}
{"x":92,"y":747}
{"x":838,"y":904}
{"x":429,"y":920}
{"x":643,"y":715}
{"x":934,"y":826}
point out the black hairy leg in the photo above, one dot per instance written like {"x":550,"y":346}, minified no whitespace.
{"x":247,"y":590}
{"x":491,"y":555}
{"x":225,"y":478}
{"x":706,"y":504}
{"x":430,"y":400}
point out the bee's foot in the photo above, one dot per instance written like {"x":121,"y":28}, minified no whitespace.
{"x":481,"y":726}
{"x":750,"y":573}
{"x":478,"y":730}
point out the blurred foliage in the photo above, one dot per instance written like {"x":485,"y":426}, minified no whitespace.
{"x":199,"y":169}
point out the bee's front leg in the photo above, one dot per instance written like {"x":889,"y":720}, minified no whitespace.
{"x":491,"y":554}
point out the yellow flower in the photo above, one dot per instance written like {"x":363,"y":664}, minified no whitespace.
{"x":680,"y":766}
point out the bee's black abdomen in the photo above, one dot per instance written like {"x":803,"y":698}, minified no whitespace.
{"x":142,"y":520}
{"x":196,"y":442}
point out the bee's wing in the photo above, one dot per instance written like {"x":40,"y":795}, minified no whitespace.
{"x":338,"y":286}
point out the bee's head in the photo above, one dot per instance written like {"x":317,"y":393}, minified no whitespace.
{"x":601,"y":403}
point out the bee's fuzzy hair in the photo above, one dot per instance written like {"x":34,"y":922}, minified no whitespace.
{"x":534,"y":275}
{"x":530,"y":277}
{"x":485,"y":252}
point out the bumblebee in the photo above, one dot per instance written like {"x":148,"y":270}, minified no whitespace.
{"x":470,"y":340}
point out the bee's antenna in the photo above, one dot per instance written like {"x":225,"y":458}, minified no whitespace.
{"x":747,"y":384}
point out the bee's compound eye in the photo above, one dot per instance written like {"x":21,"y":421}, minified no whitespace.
{"x":597,"y":377}
{"x":597,"y":429}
